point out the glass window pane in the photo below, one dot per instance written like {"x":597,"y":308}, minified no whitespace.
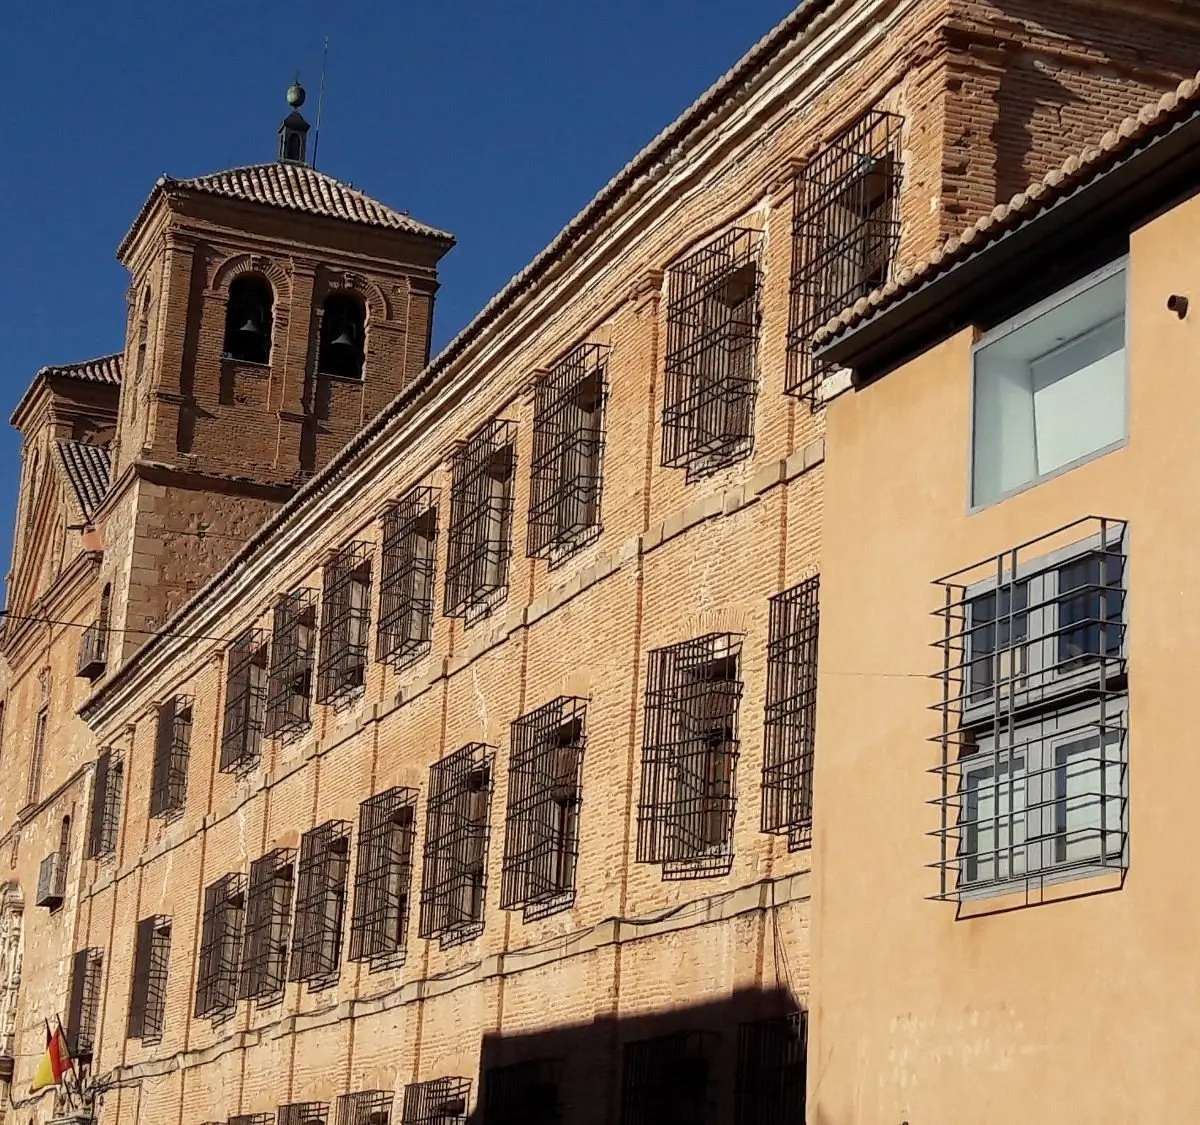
{"x":994,"y":822}
{"x":1087,"y":800}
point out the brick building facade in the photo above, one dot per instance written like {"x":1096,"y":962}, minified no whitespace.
{"x":450,"y":756}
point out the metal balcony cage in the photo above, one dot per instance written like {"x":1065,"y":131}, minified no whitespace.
{"x":105,"y":819}
{"x":667,"y":1079}
{"x":220,"y":946}
{"x":320,"y":904}
{"x":345,"y":624}
{"x":481,"y":509}
{"x":567,"y":469}
{"x":245,"y":702}
{"x":442,"y":1101}
{"x":525,"y":1093}
{"x":769,"y":1087}
{"x":172,"y":745}
{"x":845,"y":233}
{"x":689,"y":757}
{"x":387,"y":833}
{"x":1033,"y":717}
{"x":406,"y":586}
{"x":457,"y":831}
{"x":93,"y":651}
{"x":252,"y":1119}
{"x":52,"y":881}
{"x":268,"y":927}
{"x":711,"y":364}
{"x":367,"y":1107}
{"x":791,"y":711}
{"x":148,"y":997}
{"x":293,"y":644}
{"x":83,"y":1006}
{"x":541,"y":834}
{"x":303,"y":1113}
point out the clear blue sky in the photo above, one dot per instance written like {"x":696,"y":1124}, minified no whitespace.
{"x":496,"y":119}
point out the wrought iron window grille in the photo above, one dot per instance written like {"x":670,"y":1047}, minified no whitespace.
{"x":689,"y":756}
{"x":845,"y":233}
{"x":406,"y":587}
{"x":83,"y":1007}
{"x":320,"y":904}
{"x":293,"y":647}
{"x":441,"y":1101}
{"x":148,"y":999}
{"x":457,"y":832}
{"x":1033,"y":774}
{"x":345,"y":625}
{"x":367,"y":1107}
{"x":268,"y":927}
{"x":711,"y":364}
{"x":221,"y":946}
{"x":252,"y":1119}
{"x":541,"y":834}
{"x":667,"y":1079}
{"x":525,"y":1093}
{"x":93,"y":650}
{"x":387,"y":833}
{"x":303,"y":1113}
{"x":105,"y":820}
{"x":791,"y":711}
{"x":52,"y":881}
{"x":481,"y":510}
{"x":769,"y":1087}
{"x":173,"y":739}
{"x":245,"y":702}
{"x":566,"y":474}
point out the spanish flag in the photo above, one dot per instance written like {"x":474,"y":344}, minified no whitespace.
{"x":55,"y":1062}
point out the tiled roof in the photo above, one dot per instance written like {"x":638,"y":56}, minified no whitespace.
{"x":87,"y":469}
{"x":105,"y":369}
{"x":1073,"y":173}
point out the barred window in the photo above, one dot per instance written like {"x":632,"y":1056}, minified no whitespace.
{"x":541,"y":824}
{"x":666,"y":1079}
{"x":442,"y":1101}
{"x":303,"y":1113}
{"x":568,"y":447}
{"x":83,"y":1007}
{"x":481,"y":508}
{"x":293,"y":643}
{"x":268,"y":927}
{"x":221,"y":945}
{"x":689,"y":754}
{"x":252,"y":1119}
{"x":367,"y":1107}
{"x":387,"y":832}
{"x":845,"y":232}
{"x":791,"y":712}
{"x":148,"y":999}
{"x":173,"y":739}
{"x":712,"y":354}
{"x":320,"y":904}
{"x":526,"y":1093}
{"x":769,"y":1086}
{"x":457,"y":830}
{"x":245,"y":702}
{"x":406,"y":594}
{"x":107,"y":785}
{"x":345,"y":624}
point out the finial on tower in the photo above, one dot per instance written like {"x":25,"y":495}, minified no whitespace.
{"x":293,"y":133}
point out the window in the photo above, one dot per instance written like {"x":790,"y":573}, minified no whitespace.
{"x":293,"y":642}
{"x":712,"y":355}
{"x":320,"y":904}
{"x":107,"y":784}
{"x":1035,"y":694}
{"x":148,"y":999}
{"x":666,"y":1080}
{"x":791,"y":713}
{"x":525,"y":1093}
{"x":248,"y":319}
{"x":457,"y":830}
{"x":303,"y":1113}
{"x":442,"y":1101}
{"x":845,"y":233}
{"x":387,"y":834}
{"x":689,"y":751}
{"x":568,"y":447}
{"x":93,"y":644}
{"x":173,"y":738}
{"x":345,"y":624}
{"x":541,"y":836}
{"x":52,"y":875}
{"x":1050,"y":387}
{"x":221,"y":946}
{"x":368,"y":1107}
{"x":245,"y":702}
{"x":268,"y":927}
{"x":406,"y":596}
{"x":37,"y":758}
{"x":251,"y":1119}
{"x":83,"y":1007}
{"x":481,"y":506}
{"x":343,"y":336}
{"x":770,"y":1081}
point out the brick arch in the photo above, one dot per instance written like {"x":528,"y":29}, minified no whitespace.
{"x":378,"y":306}
{"x":239,"y":264}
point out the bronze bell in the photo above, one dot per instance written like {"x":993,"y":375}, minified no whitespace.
{"x":345,"y":338}
{"x":251,"y":327}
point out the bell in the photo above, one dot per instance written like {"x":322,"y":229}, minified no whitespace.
{"x":250,"y":328}
{"x":344,"y":339}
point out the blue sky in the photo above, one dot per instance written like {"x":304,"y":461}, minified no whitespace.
{"x":496,"y":119}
